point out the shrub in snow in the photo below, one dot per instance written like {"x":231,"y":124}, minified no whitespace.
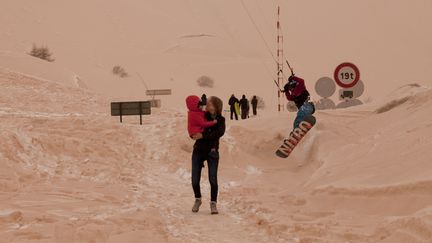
{"x":205,"y":81}
{"x":41,"y":52}
{"x":120,"y":71}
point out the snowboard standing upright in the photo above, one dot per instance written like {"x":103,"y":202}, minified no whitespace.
{"x":296,"y":136}
{"x":237,"y":108}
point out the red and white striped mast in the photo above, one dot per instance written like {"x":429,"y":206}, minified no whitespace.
{"x":280,"y":60}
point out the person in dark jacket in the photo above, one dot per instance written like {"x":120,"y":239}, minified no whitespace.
{"x":206,"y":148}
{"x":232,"y":101}
{"x":244,"y":106}
{"x":204,"y":100}
{"x":295,"y":90}
{"x":254,"y":103}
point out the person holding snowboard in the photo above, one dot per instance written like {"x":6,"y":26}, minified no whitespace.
{"x":244,"y":106}
{"x":206,"y":148}
{"x":254,"y":103}
{"x":232,"y":103}
{"x":295,"y":90}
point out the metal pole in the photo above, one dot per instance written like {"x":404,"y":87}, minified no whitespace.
{"x":280,"y":58}
{"x":121,"y":113}
{"x":140,"y":108}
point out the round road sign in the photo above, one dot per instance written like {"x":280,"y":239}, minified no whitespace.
{"x":325,"y":87}
{"x":347,"y":75}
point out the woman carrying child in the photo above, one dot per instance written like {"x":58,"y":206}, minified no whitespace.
{"x":206,"y":148}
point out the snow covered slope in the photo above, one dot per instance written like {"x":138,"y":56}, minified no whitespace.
{"x":71,"y":173}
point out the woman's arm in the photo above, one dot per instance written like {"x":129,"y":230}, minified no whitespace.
{"x":216,"y":133}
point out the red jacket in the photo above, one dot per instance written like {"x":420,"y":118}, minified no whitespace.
{"x":298,"y":90}
{"x":196,"y":117}
{"x":299,"y":94}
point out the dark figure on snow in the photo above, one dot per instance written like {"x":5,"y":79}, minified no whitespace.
{"x":244,"y":106}
{"x":206,"y":148}
{"x":204,"y":100}
{"x":295,"y":90}
{"x":232,"y":101}
{"x":248,"y":110}
{"x":254,"y":103}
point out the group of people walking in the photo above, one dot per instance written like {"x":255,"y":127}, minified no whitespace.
{"x":242,"y":107}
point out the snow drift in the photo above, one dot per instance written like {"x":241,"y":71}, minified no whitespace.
{"x":71,"y":172}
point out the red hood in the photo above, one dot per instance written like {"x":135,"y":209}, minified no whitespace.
{"x":192,"y":103}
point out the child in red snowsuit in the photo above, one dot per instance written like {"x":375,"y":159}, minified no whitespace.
{"x":196,"y":117}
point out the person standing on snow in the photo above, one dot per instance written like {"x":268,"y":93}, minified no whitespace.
{"x":248,"y":109}
{"x":254,"y":103}
{"x":295,"y":90}
{"x":206,"y":148}
{"x":232,"y":101}
{"x":244,"y":106}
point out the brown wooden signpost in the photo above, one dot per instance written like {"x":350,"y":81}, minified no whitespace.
{"x":131,"y":108}
{"x":155,"y":92}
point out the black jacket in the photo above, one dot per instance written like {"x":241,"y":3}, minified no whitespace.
{"x":211,"y":135}
{"x":254,"y":102}
{"x":301,"y":99}
{"x":244,"y":104}
{"x":232,"y":102}
{"x":204,"y":100}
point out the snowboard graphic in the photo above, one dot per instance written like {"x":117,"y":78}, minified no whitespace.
{"x":296,"y":136}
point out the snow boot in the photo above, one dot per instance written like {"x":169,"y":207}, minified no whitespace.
{"x":196,"y":205}
{"x":213,"y":208}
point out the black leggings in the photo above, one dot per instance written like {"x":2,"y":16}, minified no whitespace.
{"x":198,"y":159}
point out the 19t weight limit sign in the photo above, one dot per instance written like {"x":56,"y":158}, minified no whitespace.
{"x":347,"y":75}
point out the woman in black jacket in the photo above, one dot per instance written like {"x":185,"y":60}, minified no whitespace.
{"x":206,"y":148}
